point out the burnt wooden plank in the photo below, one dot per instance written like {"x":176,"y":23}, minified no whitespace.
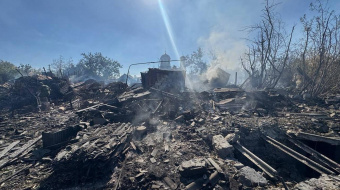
{"x":8,"y":148}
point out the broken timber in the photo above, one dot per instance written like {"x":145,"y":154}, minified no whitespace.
{"x":271,"y":172}
{"x":216,"y":166}
{"x":97,"y":106}
{"x":8,"y":148}
{"x":13,"y":156}
{"x":317,"y":138}
{"x":167,"y":94}
{"x":26,"y":146}
{"x":199,"y":183}
{"x":315,"y":115}
{"x":159,"y":105}
{"x":308,"y":162}
{"x":170,"y":183}
{"x":320,"y":157}
{"x":15,"y":173}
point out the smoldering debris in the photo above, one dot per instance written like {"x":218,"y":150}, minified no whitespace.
{"x":215,"y":77}
{"x":60,"y":135}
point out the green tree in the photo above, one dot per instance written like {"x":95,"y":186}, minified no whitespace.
{"x":195,"y":62}
{"x":25,"y":69}
{"x":7,"y":71}
{"x":99,"y":66}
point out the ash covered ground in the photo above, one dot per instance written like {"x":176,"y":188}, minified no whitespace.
{"x":89,"y":135}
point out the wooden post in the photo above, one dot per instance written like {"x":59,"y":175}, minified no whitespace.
{"x":236,"y":78}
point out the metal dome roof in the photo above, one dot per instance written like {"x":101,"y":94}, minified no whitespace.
{"x":165,"y":57}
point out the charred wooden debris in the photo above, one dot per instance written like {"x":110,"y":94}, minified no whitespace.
{"x":91,"y":135}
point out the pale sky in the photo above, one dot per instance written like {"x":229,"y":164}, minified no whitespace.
{"x":37,"y":31}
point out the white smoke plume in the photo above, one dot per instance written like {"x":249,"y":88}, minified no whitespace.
{"x":225,"y":51}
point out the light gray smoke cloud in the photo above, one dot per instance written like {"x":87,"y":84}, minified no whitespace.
{"x":224,"y":50}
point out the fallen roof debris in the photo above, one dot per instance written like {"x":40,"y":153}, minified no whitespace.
{"x":114,"y":136}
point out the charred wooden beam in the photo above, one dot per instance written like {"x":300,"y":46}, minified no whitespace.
{"x":159,"y":105}
{"x":21,"y":150}
{"x":200,"y":183}
{"x":216,"y":166}
{"x":88,"y":108}
{"x":271,"y":172}
{"x":318,"y":156}
{"x":317,"y":138}
{"x":167,"y":94}
{"x":8,"y":148}
{"x":15,"y":173}
{"x":303,"y":159}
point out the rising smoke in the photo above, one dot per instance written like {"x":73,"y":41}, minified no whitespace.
{"x":225,"y":51}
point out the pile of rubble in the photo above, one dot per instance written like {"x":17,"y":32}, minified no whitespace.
{"x":93,"y":153}
{"x":97,"y":136}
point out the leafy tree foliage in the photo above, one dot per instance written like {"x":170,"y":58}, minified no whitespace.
{"x":195,"y":62}
{"x":7,"y":71}
{"x":25,"y":69}
{"x":99,"y":66}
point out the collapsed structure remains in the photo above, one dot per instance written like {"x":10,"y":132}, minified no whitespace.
{"x":158,"y":135}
